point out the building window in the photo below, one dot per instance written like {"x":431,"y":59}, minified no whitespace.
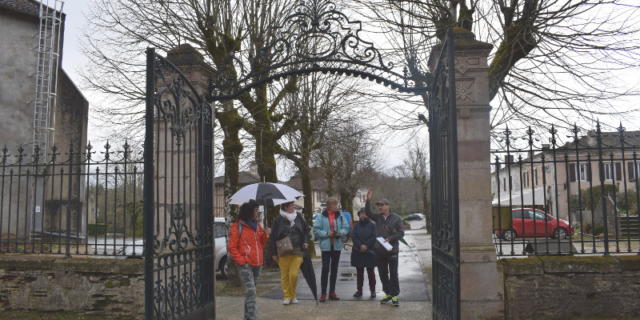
{"x":535,"y":177}
{"x":612,"y":171}
{"x":633,"y":174}
{"x":580,"y":172}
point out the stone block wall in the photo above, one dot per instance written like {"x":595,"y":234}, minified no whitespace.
{"x":571,"y":287}
{"x":98,"y":286}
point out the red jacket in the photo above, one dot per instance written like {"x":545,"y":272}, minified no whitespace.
{"x":247,"y":248}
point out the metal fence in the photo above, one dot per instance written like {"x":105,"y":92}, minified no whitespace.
{"x":575,"y":195}
{"x":77,"y":202}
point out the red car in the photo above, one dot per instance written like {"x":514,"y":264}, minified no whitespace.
{"x":529,"y":222}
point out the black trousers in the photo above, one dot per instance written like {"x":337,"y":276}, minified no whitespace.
{"x":371,"y":273}
{"x":388,"y":270}
{"x":330,"y":259}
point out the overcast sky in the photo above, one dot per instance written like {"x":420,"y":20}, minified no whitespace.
{"x":393,"y":145}
{"x":74,"y":61}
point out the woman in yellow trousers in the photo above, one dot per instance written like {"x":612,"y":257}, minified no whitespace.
{"x":291,"y":224}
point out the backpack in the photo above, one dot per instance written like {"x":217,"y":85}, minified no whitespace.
{"x":346,"y":217}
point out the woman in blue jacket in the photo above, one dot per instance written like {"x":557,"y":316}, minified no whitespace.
{"x":329,"y":228}
{"x":362,"y":255}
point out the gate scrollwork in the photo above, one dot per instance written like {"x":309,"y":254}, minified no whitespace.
{"x":316,"y":37}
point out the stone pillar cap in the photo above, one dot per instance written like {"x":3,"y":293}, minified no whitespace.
{"x":184,"y":55}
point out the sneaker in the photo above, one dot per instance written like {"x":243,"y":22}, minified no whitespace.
{"x":323,"y":298}
{"x":286,"y":301}
{"x":386,"y":299}
{"x":395,"y":302}
{"x":333,"y":296}
{"x":294,"y":301}
{"x":358,"y":294}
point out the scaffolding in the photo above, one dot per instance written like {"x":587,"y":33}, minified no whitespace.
{"x":48,"y":55}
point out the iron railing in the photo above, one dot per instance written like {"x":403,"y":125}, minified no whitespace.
{"x":575,"y":195}
{"x":77,"y":202}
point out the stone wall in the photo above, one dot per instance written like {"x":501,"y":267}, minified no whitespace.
{"x":113,"y":287}
{"x":571,"y":287}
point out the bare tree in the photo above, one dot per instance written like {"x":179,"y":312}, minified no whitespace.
{"x":319,"y":104}
{"x":415,"y":167}
{"x":554,"y":61}
{"x":347,"y":158}
{"x":229,"y":34}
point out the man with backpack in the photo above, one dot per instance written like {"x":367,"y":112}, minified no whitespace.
{"x":389,"y":232}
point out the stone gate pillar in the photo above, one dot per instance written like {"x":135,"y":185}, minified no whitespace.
{"x":480,"y":282}
{"x":176,"y":161}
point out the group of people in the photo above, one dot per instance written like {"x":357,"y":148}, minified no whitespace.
{"x":375,"y":239}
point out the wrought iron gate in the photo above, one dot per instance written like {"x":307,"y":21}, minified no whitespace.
{"x":444,"y":190}
{"x":178,"y":194}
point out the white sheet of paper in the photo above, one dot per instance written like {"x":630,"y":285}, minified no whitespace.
{"x":385,"y":244}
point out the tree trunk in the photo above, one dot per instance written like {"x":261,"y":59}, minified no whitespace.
{"x":346,"y":201}
{"x":266,"y":162}
{"x":231,"y":124}
{"x":307,"y":190}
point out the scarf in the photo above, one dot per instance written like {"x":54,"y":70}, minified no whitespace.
{"x":289,"y":216}
{"x":251,"y":223}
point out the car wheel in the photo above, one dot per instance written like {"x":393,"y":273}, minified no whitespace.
{"x":224,"y":268}
{"x":509,"y":235}
{"x":560,"y":233}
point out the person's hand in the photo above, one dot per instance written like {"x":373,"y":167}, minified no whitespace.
{"x":275,"y":259}
{"x":386,"y":239}
{"x":331,"y":234}
{"x":267,"y":230}
{"x":369,"y":195}
{"x":306,"y":246}
{"x":363,"y":248}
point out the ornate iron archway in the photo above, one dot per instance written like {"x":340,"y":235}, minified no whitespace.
{"x":315,"y":38}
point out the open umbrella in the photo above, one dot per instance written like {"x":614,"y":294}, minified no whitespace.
{"x":309,"y":275}
{"x":265,"y":193}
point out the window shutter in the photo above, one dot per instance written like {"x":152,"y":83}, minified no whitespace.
{"x":631,"y":172}
{"x":572,"y":172}
{"x":588,"y":171}
{"x":618,"y":171}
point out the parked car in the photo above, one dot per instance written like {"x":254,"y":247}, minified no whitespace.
{"x":221,"y":258}
{"x":529,"y":222}
{"x":415,"y":217}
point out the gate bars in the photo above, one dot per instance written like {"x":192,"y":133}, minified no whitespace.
{"x":444,"y":192}
{"x":573,"y":197}
{"x":178,"y":223}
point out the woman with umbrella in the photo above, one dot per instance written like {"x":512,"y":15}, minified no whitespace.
{"x":362,"y":256}
{"x":247,"y":239}
{"x":288,"y":243}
